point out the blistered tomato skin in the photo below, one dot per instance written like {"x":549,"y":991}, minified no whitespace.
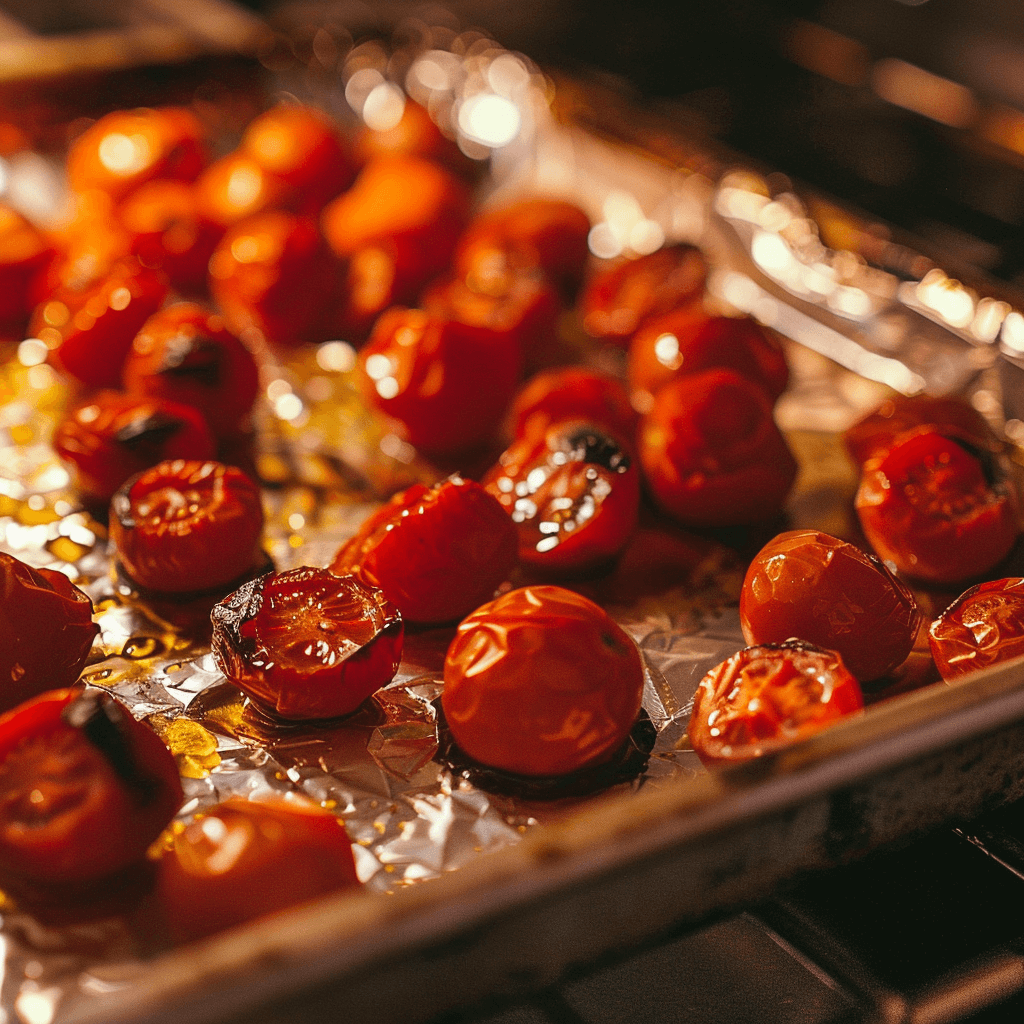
{"x":982,"y":627}
{"x":307,"y":643}
{"x":711,"y":452}
{"x":46,"y":631}
{"x":929,"y":507}
{"x":245,"y":859}
{"x":84,"y":790}
{"x":766,"y":697}
{"x":184,"y":527}
{"x":816,"y":588}
{"x":436,"y":552}
{"x":541,"y":681}
{"x":573,"y":493}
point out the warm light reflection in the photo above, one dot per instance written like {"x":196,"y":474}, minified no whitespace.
{"x":947,"y":298}
{"x":988,"y":319}
{"x":435,"y":71}
{"x":384,"y":107}
{"x":336,"y":356}
{"x":360,"y":84}
{"x":1012,"y":334}
{"x":507,"y":74}
{"x":490,"y":119}
{"x":913,"y":88}
{"x":244,"y":185}
{"x":828,"y":53}
{"x":124,"y":154}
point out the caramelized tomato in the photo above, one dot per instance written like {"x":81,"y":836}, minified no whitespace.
{"x":982,"y":627}
{"x":929,"y":507}
{"x":711,"y":452}
{"x":769,"y":696}
{"x":236,"y":187}
{"x":808,"y":586}
{"x":436,"y":552}
{"x":184,"y":527}
{"x":308,"y":644}
{"x":245,"y":859}
{"x":541,"y":681}
{"x":46,"y":631}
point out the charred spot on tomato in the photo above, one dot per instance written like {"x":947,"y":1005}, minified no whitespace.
{"x":591,"y":444}
{"x":148,"y":435}
{"x":197,"y":357}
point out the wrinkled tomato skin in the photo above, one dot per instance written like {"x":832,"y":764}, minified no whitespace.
{"x":46,"y":631}
{"x":84,"y":790}
{"x":278,"y":854}
{"x":573,"y":493}
{"x":689,"y":339}
{"x":617,"y":299}
{"x":765,"y":697}
{"x":982,"y":627}
{"x":185,"y":354}
{"x":926,"y":507}
{"x":308,"y":643}
{"x":89,"y":331}
{"x":448,"y":384}
{"x":25,"y":256}
{"x":810,"y":586}
{"x":436,"y":552}
{"x":711,"y":452}
{"x":184,"y":527}
{"x":541,"y":681}
{"x":111,"y":436}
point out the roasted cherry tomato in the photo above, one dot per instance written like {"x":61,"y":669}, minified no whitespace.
{"x":617,"y":300}
{"x":111,"y":436}
{"x":245,"y":859}
{"x":128,"y":147}
{"x":447,"y":383}
{"x":236,"y":187}
{"x":541,"y":681}
{"x":769,"y":696}
{"x":25,"y":255}
{"x":931,"y":508}
{"x":414,"y":134}
{"x":573,"y":492}
{"x":806,"y":585}
{"x":688,"y":339}
{"x":711,"y":452}
{"x":874,"y":434}
{"x":169,"y":233}
{"x":84,"y":790}
{"x":437,"y":552}
{"x":184,"y":526}
{"x":185,"y":354}
{"x":90,"y":330}
{"x":306,"y":643}
{"x":46,"y":631}
{"x":572,"y":393}
{"x":983,"y":626}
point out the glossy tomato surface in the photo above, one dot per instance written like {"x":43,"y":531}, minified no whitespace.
{"x":244,"y":859}
{"x":307,"y":643}
{"x":186,"y":526}
{"x":84,"y":790}
{"x":541,"y":681}
{"x":573,"y":493}
{"x":983,"y":626}
{"x":810,"y":586}
{"x":932,"y":508}
{"x":236,"y":187}
{"x":711,"y":452}
{"x":436,"y":552}
{"x":766,"y":697}
{"x":414,"y":133}
{"x":46,"y":631}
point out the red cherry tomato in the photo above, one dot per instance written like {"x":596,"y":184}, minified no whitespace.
{"x":415,"y":134}
{"x":46,"y":631}
{"x":447,"y":383}
{"x":806,"y":585}
{"x":572,"y":393}
{"x":437,"y":552}
{"x":573,"y":493}
{"x":767,"y":697}
{"x":689,"y":339}
{"x":541,"y":681}
{"x":25,"y":256}
{"x":185,"y":354}
{"x":128,"y":147}
{"x":236,"y":187}
{"x":928,"y":507}
{"x":982,"y":627}
{"x":111,"y":436}
{"x":308,"y":644}
{"x":90,"y":330}
{"x":84,"y":790}
{"x":617,"y":300}
{"x":711,"y":452}
{"x":184,"y":527}
{"x":245,"y":859}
